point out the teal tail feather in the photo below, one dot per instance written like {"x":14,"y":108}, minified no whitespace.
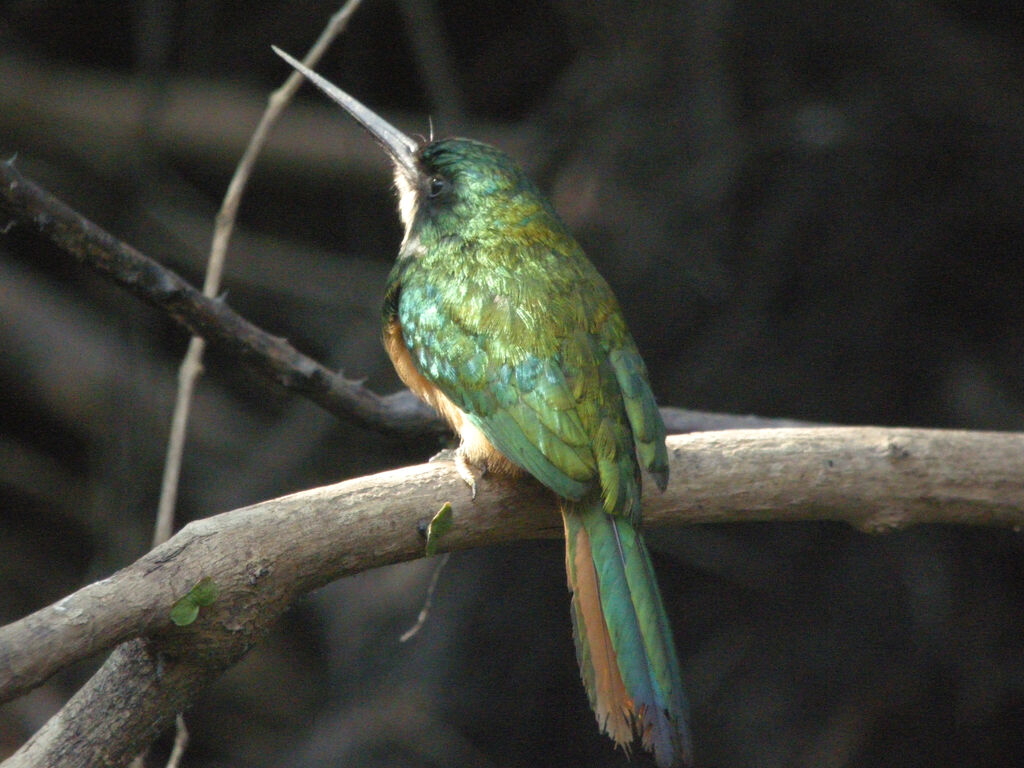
{"x":623,"y":639}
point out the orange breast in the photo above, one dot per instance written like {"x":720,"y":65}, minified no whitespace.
{"x":475,"y":445}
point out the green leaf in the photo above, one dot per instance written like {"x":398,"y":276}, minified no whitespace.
{"x":439,"y":526}
{"x":204,"y":593}
{"x":184,"y":611}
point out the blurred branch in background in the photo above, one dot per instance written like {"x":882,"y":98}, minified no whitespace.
{"x":262,"y":557}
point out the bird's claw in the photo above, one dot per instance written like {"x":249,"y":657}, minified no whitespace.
{"x":465,"y":470}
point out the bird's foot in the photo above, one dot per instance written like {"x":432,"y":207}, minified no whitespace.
{"x":463,"y":466}
{"x":465,"y":469}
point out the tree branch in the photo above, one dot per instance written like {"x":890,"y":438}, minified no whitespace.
{"x":269,"y":356}
{"x":262,"y":557}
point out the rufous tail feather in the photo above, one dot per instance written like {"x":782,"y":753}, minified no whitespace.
{"x":623,"y":639}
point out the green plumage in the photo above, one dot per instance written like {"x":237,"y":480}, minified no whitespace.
{"x":501,"y":310}
{"x":638,"y":626}
{"x":493,"y":314}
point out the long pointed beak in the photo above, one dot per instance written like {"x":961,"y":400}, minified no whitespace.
{"x":401,"y":148}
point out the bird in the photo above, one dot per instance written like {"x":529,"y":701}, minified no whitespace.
{"x":493,"y":315}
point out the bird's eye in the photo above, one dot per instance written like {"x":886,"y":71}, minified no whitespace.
{"x":437,"y":185}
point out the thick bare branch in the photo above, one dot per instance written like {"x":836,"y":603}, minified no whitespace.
{"x":261,"y":557}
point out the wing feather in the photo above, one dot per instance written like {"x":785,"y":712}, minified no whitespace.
{"x":539,"y":360}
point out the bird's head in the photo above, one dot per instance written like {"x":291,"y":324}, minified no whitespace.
{"x":446,"y":185}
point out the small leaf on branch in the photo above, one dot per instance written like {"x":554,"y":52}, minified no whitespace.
{"x":440,"y":524}
{"x":203,"y":594}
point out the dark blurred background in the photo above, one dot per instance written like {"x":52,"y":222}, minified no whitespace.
{"x":807,"y":210}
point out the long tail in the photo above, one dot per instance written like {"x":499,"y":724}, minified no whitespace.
{"x":623,"y":639}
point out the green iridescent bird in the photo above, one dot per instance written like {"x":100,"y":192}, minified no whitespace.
{"x":494,"y":316}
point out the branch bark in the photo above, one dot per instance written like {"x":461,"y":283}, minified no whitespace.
{"x":261,"y":557}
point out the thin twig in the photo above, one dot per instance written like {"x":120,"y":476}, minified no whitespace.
{"x":192,"y":364}
{"x":428,"y":601}
{"x":191,"y":367}
{"x":180,"y":742}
